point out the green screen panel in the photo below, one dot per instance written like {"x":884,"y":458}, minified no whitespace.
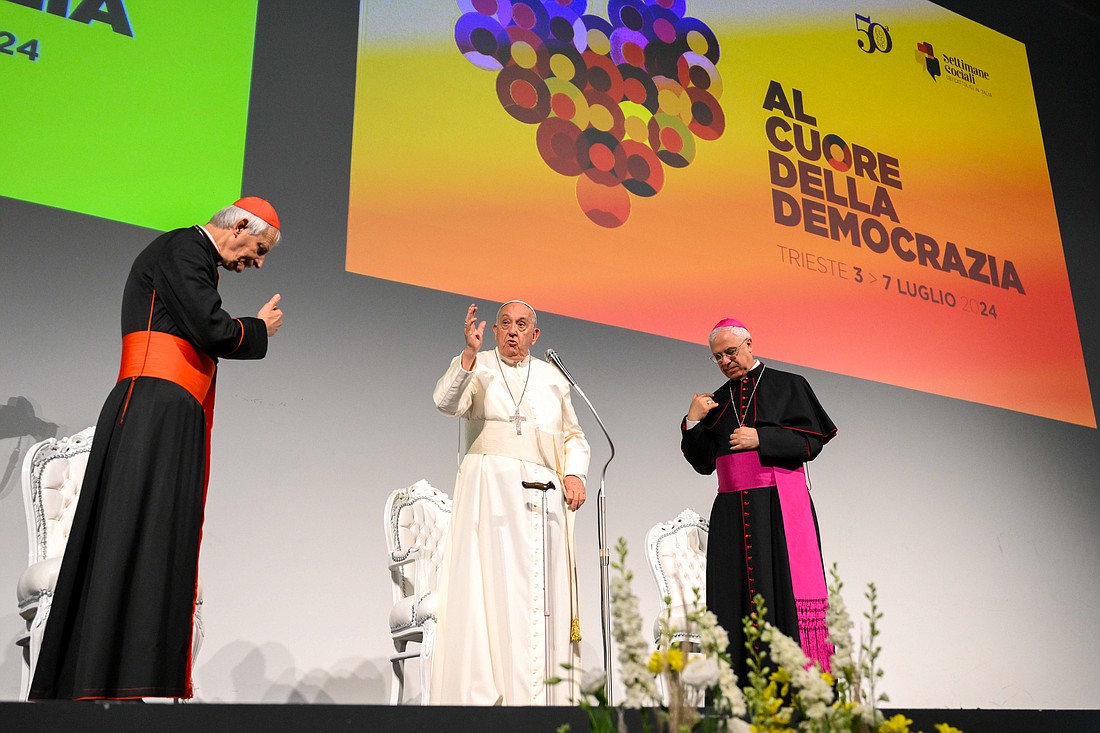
{"x":134,"y":111}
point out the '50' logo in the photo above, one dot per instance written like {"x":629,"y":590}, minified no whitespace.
{"x":873,"y":36}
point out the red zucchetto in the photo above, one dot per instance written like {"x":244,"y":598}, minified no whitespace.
{"x":259,"y":207}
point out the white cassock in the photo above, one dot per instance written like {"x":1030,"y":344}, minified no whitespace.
{"x":490,"y":647}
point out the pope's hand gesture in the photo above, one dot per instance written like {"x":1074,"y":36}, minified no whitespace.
{"x":474,"y":333}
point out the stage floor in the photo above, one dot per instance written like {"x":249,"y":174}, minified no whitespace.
{"x":95,"y":717}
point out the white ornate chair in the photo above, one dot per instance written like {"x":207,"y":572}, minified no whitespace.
{"x":53,"y":472}
{"x":677,"y":554}
{"x":417,"y":520}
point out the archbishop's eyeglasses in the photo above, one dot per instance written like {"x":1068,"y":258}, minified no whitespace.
{"x":730,"y":354}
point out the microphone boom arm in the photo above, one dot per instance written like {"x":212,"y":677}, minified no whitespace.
{"x":601,"y":522}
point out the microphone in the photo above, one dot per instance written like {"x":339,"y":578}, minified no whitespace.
{"x":601,"y":531}
{"x":553,"y":358}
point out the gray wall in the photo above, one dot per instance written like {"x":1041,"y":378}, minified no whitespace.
{"x":978,"y":525}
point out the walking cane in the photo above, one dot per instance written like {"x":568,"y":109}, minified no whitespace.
{"x":544,"y":488}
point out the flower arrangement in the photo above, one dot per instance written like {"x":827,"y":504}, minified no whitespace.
{"x":785,"y":692}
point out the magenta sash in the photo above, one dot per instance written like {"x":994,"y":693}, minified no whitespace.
{"x":743,"y":470}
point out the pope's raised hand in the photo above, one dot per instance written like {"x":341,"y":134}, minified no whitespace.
{"x":474,"y":334}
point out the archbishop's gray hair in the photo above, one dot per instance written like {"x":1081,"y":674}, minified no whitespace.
{"x":230,"y":215}
{"x":738,"y":331}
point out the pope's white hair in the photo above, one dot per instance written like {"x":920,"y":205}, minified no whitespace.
{"x":534,"y":315}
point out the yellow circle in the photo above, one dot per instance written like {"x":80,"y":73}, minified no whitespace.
{"x":562,"y":66}
{"x":637,"y":129}
{"x":673,"y":102}
{"x":524,"y":56}
{"x":636,"y":119}
{"x":599,"y":43}
{"x":600,"y":117}
{"x":697,"y":42}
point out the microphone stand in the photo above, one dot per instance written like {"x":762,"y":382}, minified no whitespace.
{"x":601,"y":521}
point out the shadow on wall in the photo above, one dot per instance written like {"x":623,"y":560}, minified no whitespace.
{"x":17,"y":420}
{"x":267,"y":674}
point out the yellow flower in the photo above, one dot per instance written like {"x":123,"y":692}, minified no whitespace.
{"x":945,"y":728}
{"x":675,"y":659}
{"x":829,"y":679}
{"x":897,"y":724}
{"x":656,"y":662}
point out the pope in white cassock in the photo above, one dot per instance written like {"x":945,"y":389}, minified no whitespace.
{"x":491,"y":646}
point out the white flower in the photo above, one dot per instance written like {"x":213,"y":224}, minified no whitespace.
{"x":816,"y":711}
{"x":737,"y":725}
{"x":813,"y":692}
{"x":840,"y":634}
{"x":593,"y":681}
{"x":640,"y":686}
{"x":733,"y":700}
{"x":713,"y":638}
{"x":701,"y":673}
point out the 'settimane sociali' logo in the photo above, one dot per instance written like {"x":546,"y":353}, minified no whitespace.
{"x":955,"y":67}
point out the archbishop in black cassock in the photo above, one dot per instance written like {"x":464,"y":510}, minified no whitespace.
{"x":757,"y":430}
{"x":121,"y":622}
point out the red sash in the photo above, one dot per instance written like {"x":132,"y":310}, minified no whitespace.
{"x":164,"y":356}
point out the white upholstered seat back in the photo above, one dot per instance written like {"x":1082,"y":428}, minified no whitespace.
{"x":419,"y":517}
{"x":677,"y":553}
{"x":54,"y":471}
{"x":417,"y":522}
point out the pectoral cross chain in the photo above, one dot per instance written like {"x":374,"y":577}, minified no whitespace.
{"x":517,"y":418}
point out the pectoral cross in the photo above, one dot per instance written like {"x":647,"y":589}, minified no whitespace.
{"x":517,"y":419}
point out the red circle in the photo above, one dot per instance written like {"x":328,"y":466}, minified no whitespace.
{"x":601,"y":157}
{"x":633,"y":54}
{"x":634,"y":90}
{"x":563,"y":106}
{"x":671,"y":140}
{"x":523,"y":93}
{"x":607,"y":206}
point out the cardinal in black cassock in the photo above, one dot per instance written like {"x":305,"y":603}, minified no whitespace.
{"x":120,"y":626}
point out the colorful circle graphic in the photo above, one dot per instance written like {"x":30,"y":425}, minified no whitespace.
{"x":523,"y":94}
{"x":607,"y":206}
{"x":614,"y":100}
